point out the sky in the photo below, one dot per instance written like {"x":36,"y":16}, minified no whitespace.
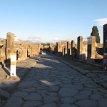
{"x":52,"y":20}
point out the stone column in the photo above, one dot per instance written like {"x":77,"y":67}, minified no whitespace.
{"x":56,"y":48}
{"x":59,"y":48}
{"x":72,"y":46}
{"x":80,"y":45}
{"x":68,"y":48}
{"x":10,"y":44}
{"x":93,"y":47}
{"x":63,"y":51}
{"x":89,"y":47}
{"x":13,"y":64}
{"x":64,"y":43}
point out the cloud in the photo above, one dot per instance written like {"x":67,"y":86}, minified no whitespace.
{"x":35,"y":39}
{"x":101,"y":21}
{"x":42,"y":38}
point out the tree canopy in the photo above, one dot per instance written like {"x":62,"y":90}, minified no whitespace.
{"x":95,"y":32}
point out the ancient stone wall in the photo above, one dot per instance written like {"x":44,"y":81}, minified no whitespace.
{"x":82,"y":48}
{"x":21,"y":50}
{"x":84,"y":51}
{"x":52,"y":47}
{"x":35,"y":49}
{"x":94,"y":49}
{"x":59,"y":47}
{"x":105,"y":38}
{"x":62,"y":47}
{"x":2,"y":52}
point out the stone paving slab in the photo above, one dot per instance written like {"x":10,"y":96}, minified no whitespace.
{"x":97,"y":76}
{"x":52,"y":83}
{"x":9,"y":84}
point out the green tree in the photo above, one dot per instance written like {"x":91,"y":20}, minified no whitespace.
{"x":95,"y":32}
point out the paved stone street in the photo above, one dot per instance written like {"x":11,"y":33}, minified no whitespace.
{"x":51,"y":83}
